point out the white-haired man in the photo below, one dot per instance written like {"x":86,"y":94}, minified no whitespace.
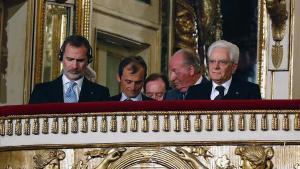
{"x":223,"y":58}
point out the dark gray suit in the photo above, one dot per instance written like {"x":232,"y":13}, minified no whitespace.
{"x":52,"y":92}
{"x":237,"y":90}
{"x":175,"y":94}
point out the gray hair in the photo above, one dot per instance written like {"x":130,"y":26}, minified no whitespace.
{"x":234,"y":52}
{"x":190,"y":58}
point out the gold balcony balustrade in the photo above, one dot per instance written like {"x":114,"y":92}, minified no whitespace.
{"x":168,"y":134}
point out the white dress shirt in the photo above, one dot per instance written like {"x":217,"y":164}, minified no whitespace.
{"x":199,"y":80}
{"x":137,"y":98}
{"x":215,"y":93}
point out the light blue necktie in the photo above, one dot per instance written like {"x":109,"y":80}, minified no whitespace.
{"x":70,"y":95}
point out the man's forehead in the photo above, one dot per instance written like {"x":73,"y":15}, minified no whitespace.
{"x":128,"y":73}
{"x":220,"y":53}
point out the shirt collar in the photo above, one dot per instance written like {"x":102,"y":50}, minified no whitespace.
{"x":137,"y":98}
{"x":66,"y":81}
{"x":226,"y":85}
{"x":199,"y":80}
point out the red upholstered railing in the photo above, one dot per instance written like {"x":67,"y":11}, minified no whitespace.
{"x":61,"y":108}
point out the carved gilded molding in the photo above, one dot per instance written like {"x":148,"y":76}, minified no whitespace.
{"x":49,"y":159}
{"x":143,"y":121}
{"x":278,"y":15}
{"x":255,"y":157}
{"x":181,"y":156}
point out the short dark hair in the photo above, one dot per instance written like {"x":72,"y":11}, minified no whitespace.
{"x":77,"y":41}
{"x":134,"y":62}
{"x":156,"y":76}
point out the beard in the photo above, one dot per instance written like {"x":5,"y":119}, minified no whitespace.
{"x":73,"y":75}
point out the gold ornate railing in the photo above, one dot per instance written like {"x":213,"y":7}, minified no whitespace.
{"x":174,"y":134}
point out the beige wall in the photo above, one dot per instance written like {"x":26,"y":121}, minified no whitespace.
{"x":16,"y":34}
{"x":132,"y":20}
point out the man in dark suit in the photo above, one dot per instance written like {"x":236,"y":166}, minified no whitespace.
{"x":223,"y":60}
{"x":131,"y":75}
{"x":71,"y":86}
{"x":185,"y":71}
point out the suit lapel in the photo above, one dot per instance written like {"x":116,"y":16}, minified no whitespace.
{"x":207,"y":89}
{"x":234,"y":90}
{"x":57,"y":96}
{"x":86,"y":91}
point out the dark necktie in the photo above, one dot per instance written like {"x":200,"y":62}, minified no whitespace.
{"x":128,"y":99}
{"x":221,"y":92}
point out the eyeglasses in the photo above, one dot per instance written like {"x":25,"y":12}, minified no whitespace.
{"x":219,"y":62}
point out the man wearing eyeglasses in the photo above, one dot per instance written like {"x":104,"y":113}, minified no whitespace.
{"x":223,"y":58}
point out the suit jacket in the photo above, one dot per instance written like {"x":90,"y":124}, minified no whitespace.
{"x":237,"y":90}
{"x":52,"y":92}
{"x":175,"y":94}
{"x":118,"y":97}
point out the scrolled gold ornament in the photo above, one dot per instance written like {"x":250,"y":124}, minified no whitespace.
{"x":255,"y":157}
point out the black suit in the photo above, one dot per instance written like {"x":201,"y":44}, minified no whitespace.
{"x":175,"y":94}
{"x":118,"y":97}
{"x":52,"y":92}
{"x":237,"y":90}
